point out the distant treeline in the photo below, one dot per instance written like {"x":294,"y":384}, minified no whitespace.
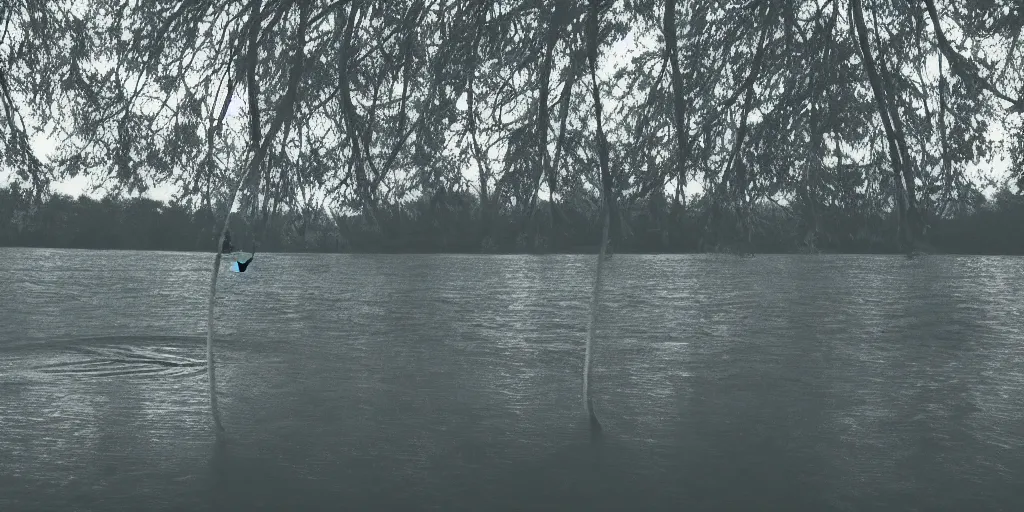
{"x":456,"y":223}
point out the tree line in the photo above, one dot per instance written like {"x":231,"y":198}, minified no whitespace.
{"x":453,"y":224}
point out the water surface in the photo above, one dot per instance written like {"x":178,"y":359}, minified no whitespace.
{"x":356,"y":382}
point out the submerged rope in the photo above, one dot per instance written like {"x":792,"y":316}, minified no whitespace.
{"x":595,"y":295}
{"x":606,"y":198}
{"x":214,"y":410}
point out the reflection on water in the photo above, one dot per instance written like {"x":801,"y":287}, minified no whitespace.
{"x":453,"y":383}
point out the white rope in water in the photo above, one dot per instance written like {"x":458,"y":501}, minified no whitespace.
{"x":592,"y":26}
{"x":213,"y":297}
{"x":592,"y":328}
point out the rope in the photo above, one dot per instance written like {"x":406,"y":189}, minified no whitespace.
{"x":214,"y":410}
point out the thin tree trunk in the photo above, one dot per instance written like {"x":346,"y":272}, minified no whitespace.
{"x":678,"y":98}
{"x":722,"y":189}
{"x":947,"y":173}
{"x":910,"y":190}
{"x":555,"y":22}
{"x":857,"y":12}
{"x":809,"y":184}
{"x":352,"y":121}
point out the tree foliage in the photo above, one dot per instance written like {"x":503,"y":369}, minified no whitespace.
{"x":374,"y":110}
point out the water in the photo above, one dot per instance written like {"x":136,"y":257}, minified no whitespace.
{"x":453,"y":383}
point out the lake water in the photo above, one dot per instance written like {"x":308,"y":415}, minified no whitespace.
{"x":415,"y":382}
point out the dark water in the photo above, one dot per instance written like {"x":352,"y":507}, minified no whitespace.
{"x":453,"y":383}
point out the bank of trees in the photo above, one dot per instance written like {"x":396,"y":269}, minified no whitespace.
{"x":419,"y":226}
{"x":840,"y":125}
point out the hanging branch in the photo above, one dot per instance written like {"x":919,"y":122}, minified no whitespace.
{"x":284,"y":112}
{"x":606,"y":198}
{"x":947,"y":173}
{"x":544,"y":164}
{"x":711,"y":118}
{"x":678,"y":99}
{"x":483,"y":164}
{"x":352,"y":120}
{"x":967,"y":70}
{"x":897,"y":123}
{"x":732,"y":172}
{"x":563,"y":115}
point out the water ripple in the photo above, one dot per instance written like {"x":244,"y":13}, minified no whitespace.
{"x":839,"y":382}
